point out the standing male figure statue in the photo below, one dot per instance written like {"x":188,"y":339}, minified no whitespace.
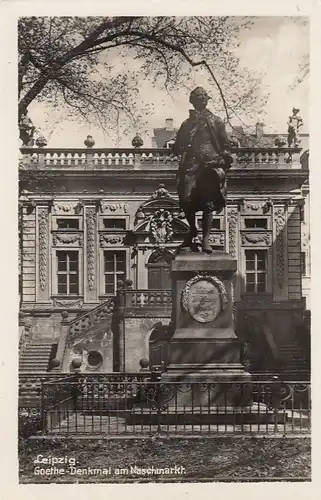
{"x":201,"y":179}
{"x":295,"y":122}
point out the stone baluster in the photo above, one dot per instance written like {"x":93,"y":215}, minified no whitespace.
{"x":89,"y":159}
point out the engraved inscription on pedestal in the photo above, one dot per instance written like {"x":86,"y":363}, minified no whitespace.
{"x":204,"y":297}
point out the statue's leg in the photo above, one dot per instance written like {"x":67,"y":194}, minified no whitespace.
{"x":207,"y":226}
{"x":192,"y":233}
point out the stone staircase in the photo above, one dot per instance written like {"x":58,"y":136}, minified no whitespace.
{"x":35,"y":357}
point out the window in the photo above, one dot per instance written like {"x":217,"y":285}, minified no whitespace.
{"x":256,"y":271}
{"x":68,"y":273}
{"x":216,"y":223}
{"x":255,"y":223}
{"x":113,"y":224}
{"x":94,"y":358}
{"x":68,"y":223}
{"x":114,"y":270}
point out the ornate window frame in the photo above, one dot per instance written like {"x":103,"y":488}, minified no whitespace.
{"x":102,"y":217}
{"x":269,"y":273}
{"x":101,"y":266}
{"x":54,"y":270}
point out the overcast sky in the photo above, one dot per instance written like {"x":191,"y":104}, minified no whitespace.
{"x":275,"y":46}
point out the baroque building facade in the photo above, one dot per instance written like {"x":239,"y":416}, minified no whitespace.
{"x":90,"y":219}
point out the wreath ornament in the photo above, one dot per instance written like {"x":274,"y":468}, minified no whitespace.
{"x":218,"y":284}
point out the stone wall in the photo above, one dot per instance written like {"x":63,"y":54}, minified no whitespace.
{"x":137,"y":334}
{"x":100,"y":345}
{"x":46,"y":327}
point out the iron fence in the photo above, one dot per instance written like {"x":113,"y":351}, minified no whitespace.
{"x":143,"y":404}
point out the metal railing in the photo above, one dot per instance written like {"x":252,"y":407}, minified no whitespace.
{"x":142,"y":404}
{"x":30,"y":386}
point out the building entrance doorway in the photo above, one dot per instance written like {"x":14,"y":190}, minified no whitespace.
{"x":158,"y":266}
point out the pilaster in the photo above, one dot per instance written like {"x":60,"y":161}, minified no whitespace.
{"x":232,"y":244}
{"x":280,"y":253}
{"x":42,"y":253}
{"x":90,"y":253}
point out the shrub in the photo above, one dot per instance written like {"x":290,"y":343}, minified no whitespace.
{"x":29,"y":422}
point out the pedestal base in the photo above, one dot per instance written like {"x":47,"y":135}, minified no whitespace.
{"x":253,"y":415}
{"x":229,"y":387}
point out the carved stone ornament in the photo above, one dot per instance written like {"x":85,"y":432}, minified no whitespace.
{"x":257,"y":239}
{"x":108,"y":239}
{"x":252,"y":207}
{"x":256,"y":206}
{"x":232,"y":232}
{"x":114,"y":207}
{"x":43,"y":246}
{"x":68,"y":303}
{"x":279,"y":219}
{"x":91,"y":251}
{"x":161,"y":227}
{"x":305,"y":239}
{"x":140,"y":214}
{"x":204,"y":297}
{"x":217,"y":239}
{"x":160,"y":193}
{"x":65,"y":208}
{"x":67,"y":239}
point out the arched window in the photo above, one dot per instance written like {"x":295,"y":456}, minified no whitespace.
{"x":159,"y":270}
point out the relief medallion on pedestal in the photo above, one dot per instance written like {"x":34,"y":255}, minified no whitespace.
{"x":204,"y":297}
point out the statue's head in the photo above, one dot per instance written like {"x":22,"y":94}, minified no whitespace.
{"x":295,"y":111}
{"x":199,"y":98}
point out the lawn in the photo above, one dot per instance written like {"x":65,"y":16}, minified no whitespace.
{"x":123,"y":460}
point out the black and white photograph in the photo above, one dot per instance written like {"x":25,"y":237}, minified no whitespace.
{"x":164,"y":260}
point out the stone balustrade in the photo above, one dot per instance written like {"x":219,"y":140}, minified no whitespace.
{"x":139,"y":299}
{"x":267,"y":157}
{"x":92,"y":319}
{"x":133,"y":158}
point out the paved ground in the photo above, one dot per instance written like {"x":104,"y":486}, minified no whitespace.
{"x":215,"y":458}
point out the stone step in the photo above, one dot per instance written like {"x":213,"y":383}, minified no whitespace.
{"x":35,"y":357}
{"x":36,"y":351}
{"x":32,"y":363}
{"x":37,"y":348}
{"x":29,"y":369}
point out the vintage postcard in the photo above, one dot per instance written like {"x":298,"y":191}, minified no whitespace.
{"x":164,"y":254}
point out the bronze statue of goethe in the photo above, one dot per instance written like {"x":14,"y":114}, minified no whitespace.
{"x":201,"y":178}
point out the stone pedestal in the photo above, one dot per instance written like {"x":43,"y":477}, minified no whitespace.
{"x":205,"y":368}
